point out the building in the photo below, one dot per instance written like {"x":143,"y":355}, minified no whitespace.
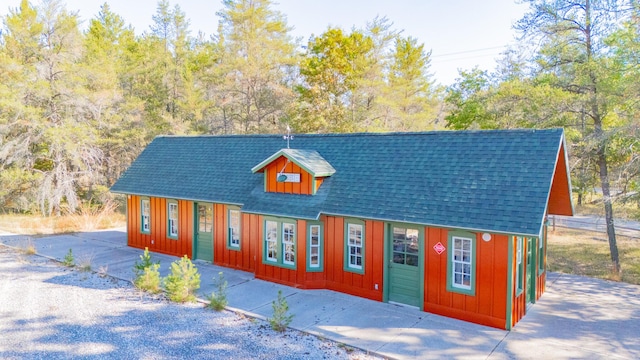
{"x":453,"y":223}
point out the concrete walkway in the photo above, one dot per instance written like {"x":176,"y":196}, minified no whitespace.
{"x":577,"y":317}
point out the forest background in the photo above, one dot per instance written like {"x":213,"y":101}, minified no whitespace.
{"x":77,"y":106}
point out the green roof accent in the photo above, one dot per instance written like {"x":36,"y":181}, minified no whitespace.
{"x":494,"y":181}
{"x":309,"y":160}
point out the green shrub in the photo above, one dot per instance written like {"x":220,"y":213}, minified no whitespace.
{"x":218,"y":299}
{"x":149,"y":279}
{"x":68,"y":259}
{"x":145,"y":262}
{"x":280,"y":320}
{"x":183,"y":281}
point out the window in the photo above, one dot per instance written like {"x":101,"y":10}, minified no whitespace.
{"x":288,"y":243}
{"x":173,"y":220}
{"x":271,"y":240}
{"x":205,"y":221}
{"x":540,"y":255}
{"x":461,"y":267}
{"x":519,"y":265}
{"x":280,"y":242}
{"x":405,"y":246}
{"x":354,"y":246}
{"x":145,"y":213}
{"x":314,"y":246}
{"x":461,"y":259}
{"x":234,"y":228}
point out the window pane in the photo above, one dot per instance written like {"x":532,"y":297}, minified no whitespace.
{"x":272,"y":240}
{"x":355,"y":243}
{"x":462,"y":262}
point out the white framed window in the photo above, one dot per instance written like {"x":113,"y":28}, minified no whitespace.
{"x":519,"y":265}
{"x":173,"y":220}
{"x":280,"y":242}
{"x":354,"y":246}
{"x":271,"y":240}
{"x":234,"y":228}
{"x":461,"y":262}
{"x":540,"y":255}
{"x":145,"y":216}
{"x":289,"y":243}
{"x":315,"y":247}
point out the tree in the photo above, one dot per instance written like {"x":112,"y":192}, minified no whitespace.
{"x":333,"y":71}
{"x":120,"y":133}
{"x":256,"y":67}
{"x":574,"y":58}
{"x":410,"y":94}
{"x":19,"y":55}
{"x":53,"y":141}
{"x":575,"y":79}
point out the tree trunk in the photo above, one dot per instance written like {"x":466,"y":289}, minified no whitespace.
{"x":608,"y":210}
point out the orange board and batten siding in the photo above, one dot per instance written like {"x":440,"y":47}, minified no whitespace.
{"x":334,"y":276}
{"x":157,"y":240}
{"x":489,"y":304}
{"x":280,"y":165}
{"x":242,"y":258}
{"x":519,"y":300}
{"x":560,"y":196}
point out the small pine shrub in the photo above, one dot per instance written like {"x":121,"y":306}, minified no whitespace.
{"x":149,"y":279}
{"x":183,"y":281}
{"x":281,"y":319}
{"x":218,"y":299}
{"x":145,"y":262}
{"x":69,"y":261}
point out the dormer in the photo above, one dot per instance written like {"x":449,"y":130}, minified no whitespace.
{"x":294,"y":171}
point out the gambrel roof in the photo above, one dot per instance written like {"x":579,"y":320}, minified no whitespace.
{"x":501,"y":181}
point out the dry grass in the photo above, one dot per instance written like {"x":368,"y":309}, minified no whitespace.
{"x":87,"y":218}
{"x":84,"y":263}
{"x":623,"y":210}
{"x":587,"y":253}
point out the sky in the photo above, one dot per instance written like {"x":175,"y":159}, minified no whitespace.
{"x":461,"y":34}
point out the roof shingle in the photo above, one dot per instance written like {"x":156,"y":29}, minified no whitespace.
{"x":496,"y":181}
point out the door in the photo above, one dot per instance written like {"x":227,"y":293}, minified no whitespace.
{"x":531,"y":270}
{"x":204,"y":232}
{"x":404,"y":268}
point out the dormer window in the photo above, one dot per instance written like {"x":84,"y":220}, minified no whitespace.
{"x":294,"y":171}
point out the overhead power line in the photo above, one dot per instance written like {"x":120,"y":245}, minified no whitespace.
{"x":468,"y":51}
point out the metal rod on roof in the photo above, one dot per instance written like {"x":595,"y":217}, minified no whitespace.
{"x":288,"y":136}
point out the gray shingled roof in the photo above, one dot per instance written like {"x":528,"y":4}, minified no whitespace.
{"x":309,"y":160}
{"x":496,"y":181}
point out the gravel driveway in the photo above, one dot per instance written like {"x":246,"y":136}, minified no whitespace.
{"x":53,"y":312}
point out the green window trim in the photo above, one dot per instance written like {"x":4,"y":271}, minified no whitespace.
{"x":145,"y":206}
{"x":172,"y":219}
{"x":457,"y":266}
{"x":315,"y":240}
{"x":354,"y":246}
{"x":519,"y":265}
{"x":280,"y":242}
{"x":234,"y":227}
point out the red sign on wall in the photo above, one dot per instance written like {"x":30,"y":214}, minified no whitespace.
{"x":439,"y":248}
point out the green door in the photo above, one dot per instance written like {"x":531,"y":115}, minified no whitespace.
{"x":531,"y":270}
{"x":204,"y":232}
{"x":404,"y":269}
